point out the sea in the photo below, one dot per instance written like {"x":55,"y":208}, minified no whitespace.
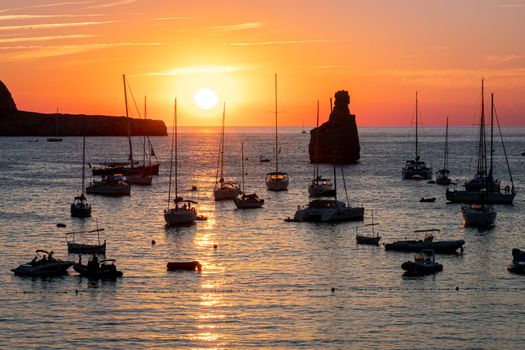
{"x":265,"y":283}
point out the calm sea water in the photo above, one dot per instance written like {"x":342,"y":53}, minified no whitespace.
{"x":269,"y":283}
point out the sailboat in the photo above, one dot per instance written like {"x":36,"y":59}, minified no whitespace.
{"x":415,"y":169}
{"x":442,"y":175}
{"x":484,"y":180}
{"x":372,"y":240}
{"x":80,"y":208}
{"x":183,"y":214}
{"x":304,"y":131}
{"x":223,"y":190}
{"x":482,"y":215}
{"x":320,"y":186}
{"x":56,"y":138}
{"x":329,"y":210}
{"x":277,"y":181}
{"x":137,"y":175}
{"x":247,"y":201}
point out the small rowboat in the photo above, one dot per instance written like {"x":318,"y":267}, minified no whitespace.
{"x":185,"y":266}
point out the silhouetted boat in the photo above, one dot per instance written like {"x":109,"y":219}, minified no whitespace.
{"x":277,"y":180}
{"x":247,"y":201}
{"x":183,"y":214}
{"x":450,"y":246}
{"x":80,"y":207}
{"x":186,"y":265}
{"x":371,"y":240}
{"x":111,"y":185}
{"x":263,"y":159}
{"x":104,"y":269}
{"x":427,"y":200}
{"x":424,"y":264}
{"x":442,"y":174}
{"x":55,"y":138}
{"x":518,"y":262}
{"x":416,"y":169}
{"x":484,"y":180}
{"x":223,"y":190}
{"x":47,"y":265}
{"x":85,"y":248}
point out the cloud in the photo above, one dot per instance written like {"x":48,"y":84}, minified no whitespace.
{"x":30,"y":52}
{"x":112,"y":4}
{"x":44,"y":38}
{"x":235,"y":27}
{"x":52,"y":25}
{"x":281,"y":42}
{"x":172,"y":18}
{"x":24,"y":17}
{"x":199,"y":70}
{"x":54,"y":4}
{"x":500,"y":59}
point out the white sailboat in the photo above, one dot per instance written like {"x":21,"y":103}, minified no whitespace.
{"x":247,"y":201}
{"x":320,"y":186}
{"x":183,"y":214}
{"x":224,"y":190}
{"x":415,"y":169}
{"x":80,"y":207}
{"x":277,"y":181}
{"x":442,"y":174}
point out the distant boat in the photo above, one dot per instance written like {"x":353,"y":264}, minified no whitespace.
{"x":224,"y":190}
{"x":442,"y":174}
{"x":85,"y":248}
{"x":370,"y":240}
{"x":424,"y":264}
{"x":484,"y":180}
{"x":263,"y":159}
{"x":518,"y":262}
{"x":416,"y":169}
{"x":445,"y":247}
{"x":277,"y":181}
{"x":80,"y":207}
{"x":47,"y":265}
{"x":183,"y":214}
{"x":104,"y":269}
{"x":111,"y":185}
{"x":56,"y":138}
{"x":304,"y":131}
{"x":427,"y":200}
{"x":246,"y":201}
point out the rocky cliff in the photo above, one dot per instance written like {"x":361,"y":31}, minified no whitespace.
{"x":19,"y":123}
{"x":338,"y":136}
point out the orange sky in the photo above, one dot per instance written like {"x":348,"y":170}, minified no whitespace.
{"x":70,"y":55}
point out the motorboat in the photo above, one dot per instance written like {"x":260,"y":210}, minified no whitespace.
{"x":321,"y":187}
{"x":184,"y":266}
{"x":424,"y":263}
{"x":80,"y":207}
{"x":479,"y":215}
{"x":277,"y":180}
{"x":370,"y":240}
{"x":247,"y":201}
{"x":103,"y":269}
{"x":111,"y":185}
{"x":518,"y":262}
{"x":416,"y":169}
{"x":224,"y":190}
{"x":44,"y":264}
{"x":328,"y":210}
{"x":263,"y":159}
{"x":443,"y":247}
{"x":183,"y":213}
{"x":85,"y":248}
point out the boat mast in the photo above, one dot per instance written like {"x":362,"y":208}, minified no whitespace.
{"x":417,"y":154}
{"x":222,"y":139}
{"x":242,"y":166}
{"x":176,"y":154}
{"x":335,"y":179}
{"x":171,"y":156}
{"x":316,"y":167}
{"x":128,"y":123}
{"x":445,"y":160}
{"x":83,"y":164}
{"x":482,"y":152}
{"x":489,"y":176}
{"x":144,"y":139}
{"x":276,"y":134}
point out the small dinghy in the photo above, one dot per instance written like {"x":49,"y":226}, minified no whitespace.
{"x":85,"y":248}
{"x":104,"y":269}
{"x":427,"y":200}
{"x":518,"y":262}
{"x":263,"y":159}
{"x":184,"y":266}
{"x":424,"y":264}
{"x":44,"y":264}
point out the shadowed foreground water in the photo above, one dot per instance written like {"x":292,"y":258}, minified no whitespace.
{"x":268,"y":283}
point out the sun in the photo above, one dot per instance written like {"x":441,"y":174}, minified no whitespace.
{"x":206,"y":98}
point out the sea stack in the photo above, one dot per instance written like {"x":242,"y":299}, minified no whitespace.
{"x":337,"y":137}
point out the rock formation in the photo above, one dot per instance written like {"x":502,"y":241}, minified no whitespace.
{"x":338,"y":136}
{"x":19,"y":123}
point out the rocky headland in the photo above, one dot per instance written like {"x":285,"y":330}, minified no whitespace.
{"x":21,"y":123}
{"x":338,"y":137}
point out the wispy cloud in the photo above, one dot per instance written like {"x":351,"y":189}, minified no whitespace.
{"x":24,"y":17}
{"x":282,"y":42}
{"x":54,"y":4}
{"x":29,"y":52}
{"x":513,"y":4}
{"x":172,"y":18}
{"x":235,"y":27}
{"x":52,"y":25}
{"x":199,"y":70}
{"x":499,"y":59}
{"x":43,"y":38}
{"x":112,"y":4}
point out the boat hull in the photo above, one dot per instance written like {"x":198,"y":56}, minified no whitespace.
{"x":221,"y":194}
{"x":104,"y":272}
{"x":48,"y":269}
{"x":367,"y":240}
{"x":152,"y":169}
{"x":455,"y":196}
{"x":421,"y":268}
{"x":180,"y":217}
{"x":479,"y":218}
{"x":80,"y":248}
{"x":443,"y":247}
{"x":139,"y":180}
{"x":109,"y":190}
{"x":248,"y":203}
{"x":80,"y":211}
{"x":277,"y":181}
{"x":329,"y":215}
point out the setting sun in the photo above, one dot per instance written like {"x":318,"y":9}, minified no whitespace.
{"x":206,"y":98}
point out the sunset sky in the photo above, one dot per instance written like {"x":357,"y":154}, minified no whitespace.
{"x":71,"y":54}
